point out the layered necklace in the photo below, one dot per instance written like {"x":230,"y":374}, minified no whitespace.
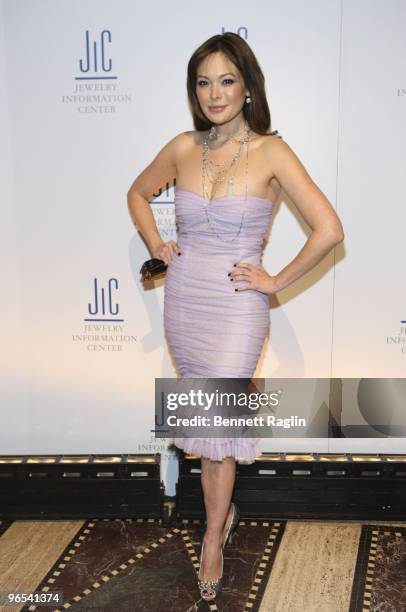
{"x":216,"y":173}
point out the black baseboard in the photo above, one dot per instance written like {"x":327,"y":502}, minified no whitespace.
{"x":305,"y":486}
{"x":88,"y":486}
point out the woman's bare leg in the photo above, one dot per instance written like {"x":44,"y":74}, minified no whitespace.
{"x":217,"y":482}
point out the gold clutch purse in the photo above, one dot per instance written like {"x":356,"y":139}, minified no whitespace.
{"x":153,"y":268}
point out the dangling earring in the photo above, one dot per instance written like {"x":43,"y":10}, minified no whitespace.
{"x":248,"y":99}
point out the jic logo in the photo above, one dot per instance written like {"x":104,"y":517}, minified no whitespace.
{"x":96,"y":63}
{"x":96,"y":89}
{"x":103,"y":330}
{"x":103,"y":307}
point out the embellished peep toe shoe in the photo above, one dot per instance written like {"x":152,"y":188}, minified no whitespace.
{"x":210,"y":589}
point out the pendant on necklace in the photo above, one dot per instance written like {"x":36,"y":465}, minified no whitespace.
{"x":230,"y":186}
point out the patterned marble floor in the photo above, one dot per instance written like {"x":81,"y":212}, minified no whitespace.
{"x":137,"y":565}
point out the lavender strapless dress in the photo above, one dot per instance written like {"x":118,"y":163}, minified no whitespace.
{"x":212,"y":330}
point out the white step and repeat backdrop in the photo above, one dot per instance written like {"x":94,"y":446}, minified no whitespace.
{"x":90,"y":92}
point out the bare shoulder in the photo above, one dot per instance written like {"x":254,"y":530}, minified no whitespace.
{"x":272,"y":144}
{"x":179,"y":142}
{"x":163,"y":168}
{"x":182,"y":143}
{"x":281,"y":158}
{"x":194,"y":137}
{"x":173,"y":150}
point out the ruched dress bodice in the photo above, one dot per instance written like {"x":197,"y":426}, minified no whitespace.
{"x":212,"y":330}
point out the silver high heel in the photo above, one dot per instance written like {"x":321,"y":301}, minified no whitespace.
{"x":210,"y":589}
{"x":235,"y":517}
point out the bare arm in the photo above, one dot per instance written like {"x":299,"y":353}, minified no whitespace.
{"x":157,"y":173}
{"x":316,"y":210}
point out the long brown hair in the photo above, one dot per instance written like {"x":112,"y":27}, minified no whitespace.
{"x":240,"y":53}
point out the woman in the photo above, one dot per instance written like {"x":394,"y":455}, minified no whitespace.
{"x":216,"y":305}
